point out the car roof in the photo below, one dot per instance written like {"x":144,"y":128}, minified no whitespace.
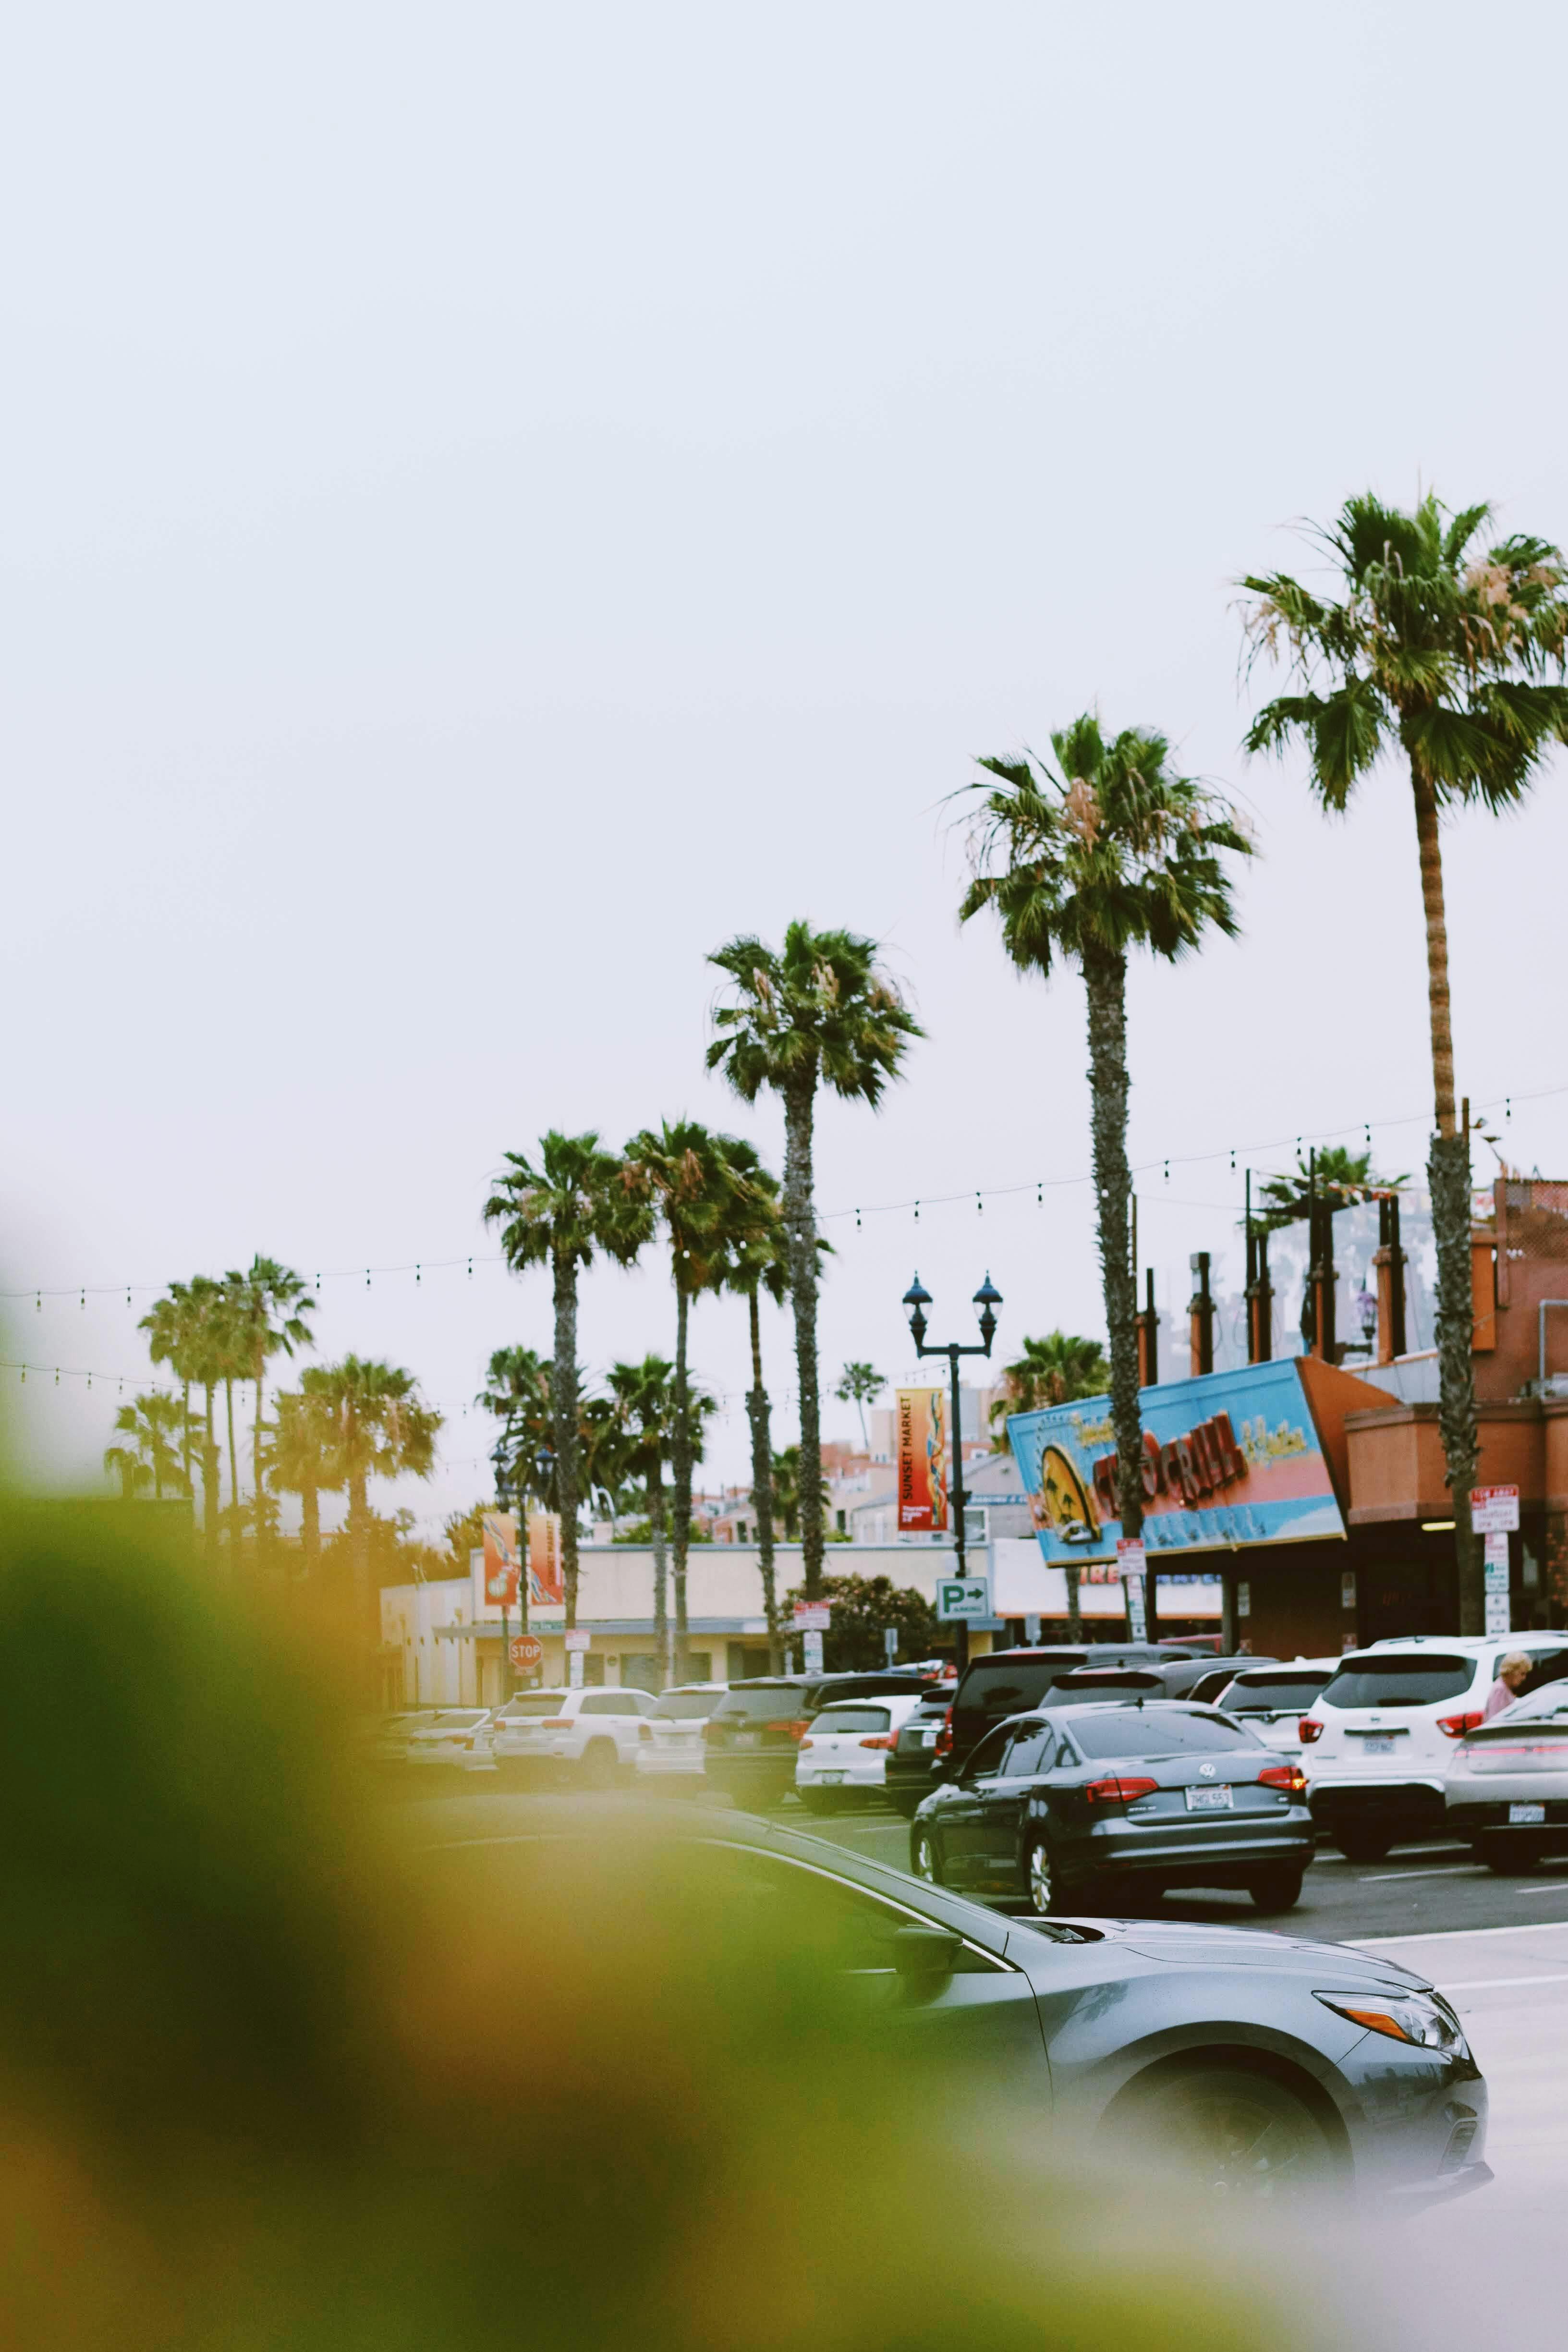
{"x":1470,"y":1644}
{"x":1278,"y":1667}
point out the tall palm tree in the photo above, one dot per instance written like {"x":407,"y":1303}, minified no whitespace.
{"x":155,"y":1422}
{"x":857,"y":1386}
{"x":381,"y":1429}
{"x":643,"y":1395}
{"x":561,"y":1212}
{"x":306,"y":1459}
{"x":818,"y":1012}
{"x":1454,"y":651}
{"x":1049,"y":1372}
{"x":516,"y":1390}
{"x":130,"y":1467}
{"x":703,"y":1186}
{"x":1109,"y":851}
{"x":186,"y":1331}
{"x":271,"y":1306}
{"x":1337,"y":1178}
{"x":757,"y":1260}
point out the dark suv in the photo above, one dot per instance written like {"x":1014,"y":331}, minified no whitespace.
{"x":753,"y":1736}
{"x":1198,"y":1679}
{"x":1008,"y":1682}
{"x":911,"y":1767}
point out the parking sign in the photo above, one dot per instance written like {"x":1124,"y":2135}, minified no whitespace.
{"x":963,"y":1596}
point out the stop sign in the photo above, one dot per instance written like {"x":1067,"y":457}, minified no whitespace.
{"x":527,"y":1650}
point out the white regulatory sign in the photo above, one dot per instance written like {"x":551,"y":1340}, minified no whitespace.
{"x":963,"y":1596}
{"x":1494,"y":1510}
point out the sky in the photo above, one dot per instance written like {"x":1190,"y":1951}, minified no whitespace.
{"x":500,"y":499}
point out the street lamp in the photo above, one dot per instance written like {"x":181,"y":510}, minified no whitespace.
{"x":987,"y":1299}
{"x":1367,"y":1309}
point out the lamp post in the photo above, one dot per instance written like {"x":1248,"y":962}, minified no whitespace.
{"x":916,"y":1299}
{"x":1366,"y":1312}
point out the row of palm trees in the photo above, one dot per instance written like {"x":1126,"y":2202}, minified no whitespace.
{"x":344,"y":1424}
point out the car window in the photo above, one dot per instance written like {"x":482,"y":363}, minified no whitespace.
{"x":1148,"y":1731}
{"x":1008,"y":1687}
{"x":1413,"y":1680}
{"x":1269,"y":1694}
{"x":815,"y":1919}
{"x":988,"y":1756}
{"x":1206,"y":1690}
{"x":1030,"y":1750}
{"x":684,"y":1706}
{"x":851,"y":1718}
{"x":458,"y":1718}
{"x":610,"y":1702}
{"x":1074,"y":1689}
{"x":773,"y":1702}
{"x":537,"y":1703}
{"x":1550,"y":1667}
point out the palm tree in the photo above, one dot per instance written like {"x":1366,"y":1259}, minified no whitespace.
{"x":270,"y":1308}
{"x":785,"y":1475}
{"x":516,"y":1390}
{"x":859,"y":1384}
{"x":156,"y":1423}
{"x":644,"y":1396}
{"x":1109,"y":851}
{"x":1337,"y":1179}
{"x":758,"y":1260}
{"x":381,"y":1429}
{"x":703,"y":1186}
{"x":1443,"y":649}
{"x":1052,"y":1370}
{"x":130,"y":1468}
{"x":819,"y":1012}
{"x":305,"y":1457}
{"x":186,"y":1332}
{"x":577,"y":1201}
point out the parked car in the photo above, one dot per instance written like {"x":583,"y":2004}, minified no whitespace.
{"x":1005,"y":1682}
{"x":912,"y":1762}
{"x":1191,"y":1678}
{"x":670,"y":1736}
{"x":1273,"y":1699}
{"x":385,"y":1737}
{"x":455,"y":1738}
{"x":752,"y":1737}
{"x":1269,"y":2065}
{"x":1379,"y":1738}
{"x":1507,"y":1785}
{"x":1103,"y":1804}
{"x":842,"y":1758}
{"x":590,"y":1737}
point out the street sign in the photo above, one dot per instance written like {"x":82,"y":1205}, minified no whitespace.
{"x":1494,"y":1510}
{"x":1495,"y":1548}
{"x":578,"y":1639}
{"x":813,"y":1616}
{"x":890,"y":1642}
{"x":527,"y":1650}
{"x":1133,"y":1561}
{"x":812,"y":1643}
{"x":963,"y":1597}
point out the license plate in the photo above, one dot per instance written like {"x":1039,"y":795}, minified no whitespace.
{"x":1531,"y":1815}
{"x":829,"y":1780}
{"x":928,"y":1740}
{"x":748,"y":1740}
{"x":1210,"y":1800}
{"x":1377,"y":1743}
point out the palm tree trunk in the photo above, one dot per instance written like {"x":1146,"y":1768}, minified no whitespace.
{"x":210,"y":1480}
{"x":681,"y":1451}
{"x":359,"y":1544}
{"x":255,"y":1460}
{"x":185,"y":1434}
{"x":661,"y":1576}
{"x":762,"y":1489}
{"x":1105,"y":977}
{"x":564,"y":1413}
{"x":309,"y":1524}
{"x":234,"y":1470}
{"x":800,"y":1226}
{"x":1448,"y":1179}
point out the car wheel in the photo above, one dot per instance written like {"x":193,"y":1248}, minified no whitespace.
{"x":1039,"y":1878}
{"x":1233,"y":2135}
{"x":1277,"y":1890}
{"x":1364,"y":1844}
{"x":925,"y":1860}
{"x":599,"y":1768}
{"x":1506,"y":1857}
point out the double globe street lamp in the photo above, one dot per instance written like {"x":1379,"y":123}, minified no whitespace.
{"x":987,"y":1299}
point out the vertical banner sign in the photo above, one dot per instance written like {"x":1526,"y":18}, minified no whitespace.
{"x":1497,"y":1600}
{"x":547,"y":1587}
{"x":1133,"y":1561}
{"x":501,"y":1566}
{"x":921,"y":1462}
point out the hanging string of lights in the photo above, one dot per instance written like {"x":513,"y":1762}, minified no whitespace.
{"x":1038,"y":1185}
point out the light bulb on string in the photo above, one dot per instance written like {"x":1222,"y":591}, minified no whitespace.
{"x":979,"y":1205}
{"x":917,"y":1213}
{"x":416,"y":1273}
{"x":857,"y":1221}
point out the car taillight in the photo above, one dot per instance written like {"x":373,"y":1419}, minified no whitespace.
{"x":1454,"y":1727}
{"x":797,"y":1730}
{"x":808,"y":1743}
{"x":465,"y":1743}
{"x":1308,"y":1730}
{"x":1119,"y":1789}
{"x":556,"y":1723}
{"x":874,"y":1739}
{"x":944,"y":1744}
{"x":1284,"y":1776}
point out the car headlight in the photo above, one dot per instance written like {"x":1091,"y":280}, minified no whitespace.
{"x":1422,"y":2019}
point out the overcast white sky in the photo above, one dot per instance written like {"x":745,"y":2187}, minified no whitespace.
{"x":499,"y":499}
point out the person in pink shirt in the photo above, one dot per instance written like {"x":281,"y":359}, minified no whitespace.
{"x":1511,"y":1676}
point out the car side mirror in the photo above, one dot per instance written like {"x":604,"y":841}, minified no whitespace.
{"x":922,"y":1954}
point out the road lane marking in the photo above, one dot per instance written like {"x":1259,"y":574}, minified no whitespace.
{"x":1452,"y":1935}
{"x":1444,"y":1870}
{"x":1490,"y":1984}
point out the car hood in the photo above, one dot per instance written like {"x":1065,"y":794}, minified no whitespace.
{"x":1188,"y":1945}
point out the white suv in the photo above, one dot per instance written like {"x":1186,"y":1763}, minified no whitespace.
{"x":1378,"y":1741}
{"x":588,"y":1737}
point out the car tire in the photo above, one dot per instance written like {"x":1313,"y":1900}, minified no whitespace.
{"x":1277,"y":1889}
{"x":1041,"y":1879}
{"x":926,"y":1858}
{"x":1232,"y":2133}
{"x":1364,"y":1844}
{"x":1506,"y":1857}
{"x":600,"y":1766}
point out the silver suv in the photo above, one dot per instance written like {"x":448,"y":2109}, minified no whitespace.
{"x":588,"y":1737}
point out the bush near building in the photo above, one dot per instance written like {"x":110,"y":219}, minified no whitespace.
{"x":863,"y":1606}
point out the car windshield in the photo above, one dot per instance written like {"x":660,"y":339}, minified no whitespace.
{"x":853,"y":1718}
{"x":1008,"y":1686}
{"x":1398,"y":1681}
{"x":458,"y":1718}
{"x":1268,"y":1693}
{"x":686,"y":1706}
{"x":518,"y":1710}
{"x":1151,"y":1731}
{"x":773,"y":1703}
{"x":1074,"y":1689}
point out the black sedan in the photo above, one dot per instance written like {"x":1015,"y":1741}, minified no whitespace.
{"x":1260,"y":2064}
{"x":1095,"y":1805}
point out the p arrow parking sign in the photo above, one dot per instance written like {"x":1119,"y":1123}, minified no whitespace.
{"x":963,"y":1596}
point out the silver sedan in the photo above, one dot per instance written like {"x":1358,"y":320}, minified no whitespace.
{"x":1507,"y":1787}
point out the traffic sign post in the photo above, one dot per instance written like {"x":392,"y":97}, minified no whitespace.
{"x":1497,"y":1614}
{"x":1133,"y":1561}
{"x":961,"y":1598}
{"x":576,"y":1643}
{"x":528,"y":1651}
{"x":1494,"y":1510}
{"x":890,"y":1644}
